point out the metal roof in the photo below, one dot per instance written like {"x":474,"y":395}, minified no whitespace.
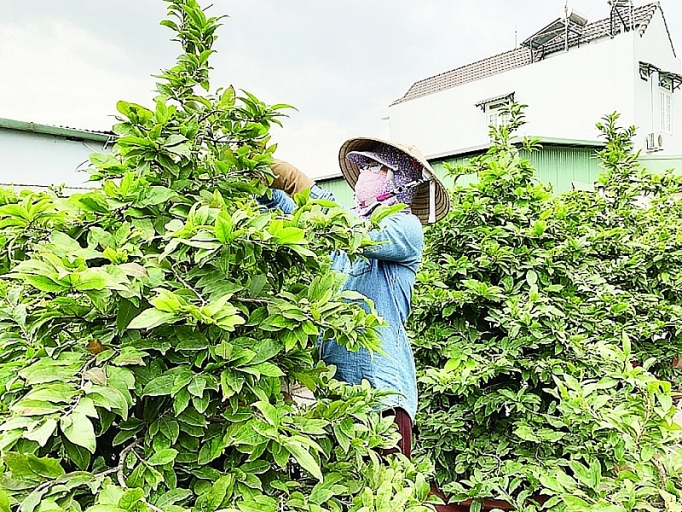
{"x":550,"y":32}
{"x":522,"y":56}
{"x":62,"y":131}
{"x":544,"y":141}
{"x":481,"y":104}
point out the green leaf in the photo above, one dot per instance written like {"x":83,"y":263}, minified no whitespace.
{"x":169,"y":428}
{"x":531,"y":277}
{"x":197,"y":386}
{"x":304,"y":458}
{"x":279,"y":454}
{"x":130,"y":356}
{"x":218,"y":492}
{"x":265,"y":350}
{"x":110,"y":398}
{"x":33,"y":408}
{"x":92,"y":279}
{"x":105,"y":508}
{"x":156,"y":195}
{"x":163,"y":457}
{"x":383,"y":211}
{"x":32,"y":500}
{"x":192,"y":417}
{"x":269,"y":412}
{"x":343,"y":439}
{"x":181,"y":401}
{"x":171,"y":497}
{"x":79,"y":430}
{"x":268,"y":369}
{"x":291,"y":236}
{"x":46,"y":284}
{"x":227,"y":98}
{"x":77,"y":454}
{"x":180,"y":150}
{"x":42,"y":434}
{"x":575,"y":503}
{"x":92,"y":202}
{"x":4,"y":502}
{"x":45,"y":467}
{"x":174,"y":140}
{"x":151,"y":318}
{"x":223,"y":227}
{"x":130,"y":498}
{"x":124,"y":435}
{"x":159,"y":386}
{"x":126,"y":312}
{"x":110,"y":494}
{"x":192,"y":344}
{"x":582,"y":473}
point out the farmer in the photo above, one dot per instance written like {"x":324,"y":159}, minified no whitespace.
{"x":380,"y":172}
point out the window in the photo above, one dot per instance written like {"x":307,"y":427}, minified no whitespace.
{"x":496,"y":114}
{"x":666,"y":97}
{"x":494,"y":109}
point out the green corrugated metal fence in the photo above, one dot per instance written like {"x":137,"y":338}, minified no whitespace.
{"x":558,"y":166}
{"x":342,"y":192}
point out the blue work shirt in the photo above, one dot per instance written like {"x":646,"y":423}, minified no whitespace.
{"x":386,"y":277}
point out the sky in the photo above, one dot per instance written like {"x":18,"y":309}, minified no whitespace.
{"x":340,"y":63}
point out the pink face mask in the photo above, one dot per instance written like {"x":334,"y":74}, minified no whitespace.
{"x":369,"y":185}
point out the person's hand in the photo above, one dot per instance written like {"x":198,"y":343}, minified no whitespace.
{"x":289,"y":178}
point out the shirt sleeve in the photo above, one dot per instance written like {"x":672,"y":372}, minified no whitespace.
{"x":400,"y":237}
{"x":281,"y":200}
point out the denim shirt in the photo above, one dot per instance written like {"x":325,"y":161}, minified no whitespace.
{"x":386,"y":277}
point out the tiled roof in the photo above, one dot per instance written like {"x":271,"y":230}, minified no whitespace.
{"x":519,"y":57}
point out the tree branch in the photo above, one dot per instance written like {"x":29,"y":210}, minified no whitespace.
{"x":188,"y":286}
{"x":121,"y":463}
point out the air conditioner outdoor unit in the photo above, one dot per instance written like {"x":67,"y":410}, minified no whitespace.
{"x":654,"y":141}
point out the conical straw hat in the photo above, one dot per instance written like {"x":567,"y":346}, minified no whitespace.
{"x":431,"y":200}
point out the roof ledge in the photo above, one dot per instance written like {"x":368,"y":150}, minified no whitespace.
{"x":59,"y":131}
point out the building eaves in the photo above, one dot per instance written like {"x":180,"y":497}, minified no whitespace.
{"x":328,"y":177}
{"x":544,"y":141}
{"x":60,"y":131}
{"x":509,"y":97}
{"x":520,"y":57}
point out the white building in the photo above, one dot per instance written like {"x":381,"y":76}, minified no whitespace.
{"x":570,"y":74}
{"x":36,"y":155}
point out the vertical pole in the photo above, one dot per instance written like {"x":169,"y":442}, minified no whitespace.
{"x":566,"y":25}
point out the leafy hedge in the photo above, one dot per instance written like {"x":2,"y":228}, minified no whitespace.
{"x":152,"y":331}
{"x":545,"y":329}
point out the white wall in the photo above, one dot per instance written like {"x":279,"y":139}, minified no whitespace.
{"x":655,"y":48}
{"x":567,"y":94}
{"x":28,"y":158}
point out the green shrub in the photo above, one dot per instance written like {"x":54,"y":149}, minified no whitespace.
{"x":149,"y":330}
{"x":529,"y":314}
